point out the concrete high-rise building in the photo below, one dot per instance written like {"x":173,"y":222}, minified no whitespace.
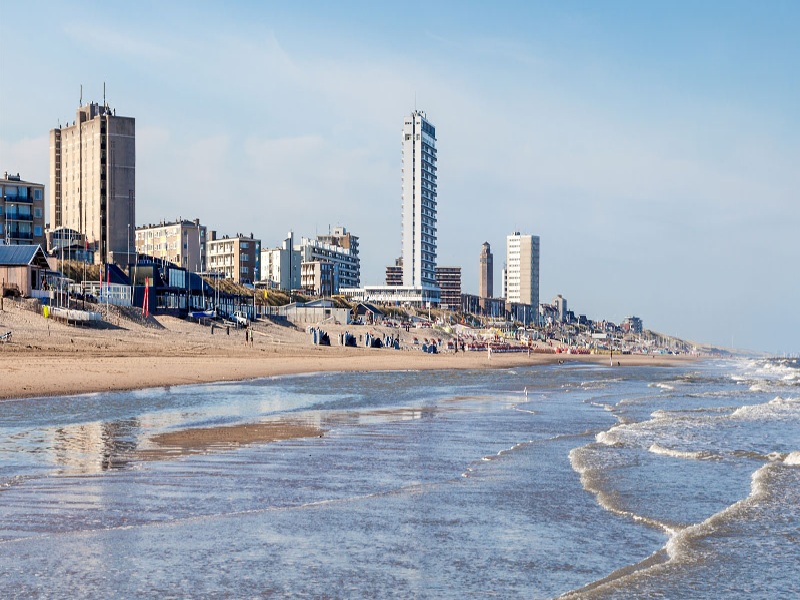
{"x":93,"y":180}
{"x":413,"y":283}
{"x":522,"y":269}
{"x":21,"y":212}
{"x":561,"y":308}
{"x":419,"y":202}
{"x":486,"y":272}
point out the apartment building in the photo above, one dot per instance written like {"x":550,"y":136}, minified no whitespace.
{"x":181,"y":242}
{"x":449,"y":281}
{"x":521,"y":281}
{"x":319,"y":278}
{"x":237,"y":258}
{"x":22,"y":212}
{"x":419,"y":193}
{"x":280,"y":267}
{"x":345,"y":260}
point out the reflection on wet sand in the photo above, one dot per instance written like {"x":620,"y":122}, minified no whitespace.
{"x":201,"y":439}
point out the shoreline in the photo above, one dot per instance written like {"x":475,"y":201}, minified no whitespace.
{"x":48,"y":359}
{"x":71,"y":375}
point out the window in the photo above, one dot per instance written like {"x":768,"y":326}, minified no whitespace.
{"x":37,"y":231}
{"x":37,"y":213}
{"x":37,"y":194}
{"x":244,"y":257}
{"x":244,"y":245}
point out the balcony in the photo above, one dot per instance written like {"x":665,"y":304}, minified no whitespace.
{"x":16,"y":216}
{"x":19,"y":235}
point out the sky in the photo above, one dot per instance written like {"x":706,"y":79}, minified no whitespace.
{"x":653,"y":147}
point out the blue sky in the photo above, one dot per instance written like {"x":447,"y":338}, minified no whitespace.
{"x":654,"y":148}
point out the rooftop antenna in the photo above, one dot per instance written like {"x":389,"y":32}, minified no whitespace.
{"x":104,"y":94}
{"x":81,"y":100}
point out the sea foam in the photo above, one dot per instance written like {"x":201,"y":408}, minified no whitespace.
{"x":700,"y":455}
{"x":793,"y":459}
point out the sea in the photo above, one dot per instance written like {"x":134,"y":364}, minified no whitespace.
{"x":561,"y":481}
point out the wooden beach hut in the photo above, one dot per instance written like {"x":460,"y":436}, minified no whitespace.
{"x":22,"y":269}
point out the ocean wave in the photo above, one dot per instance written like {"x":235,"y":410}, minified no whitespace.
{"x":776,"y":407}
{"x":698,"y":455}
{"x":681,"y":548}
{"x":608,"y":438}
{"x":662,"y":385}
{"x":793,"y":458}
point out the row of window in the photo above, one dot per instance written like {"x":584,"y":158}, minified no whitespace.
{"x":13,"y":192}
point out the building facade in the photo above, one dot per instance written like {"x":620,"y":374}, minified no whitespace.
{"x":350,"y":269}
{"x":521,"y":280}
{"x":419,"y":202}
{"x":394,"y":274}
{"x":561,"y":308}
{"x":632,"y":325}
{"x":281,"y":266}
{"x":237,"y":258}
{"x":448,"y":279}
{"x":180,"y":242}
{"x":486,"y":272}
{"x":344,"y":259}
{"x":319,"y":278}
{"x":93,"y":180}
{"x":22,"y":212}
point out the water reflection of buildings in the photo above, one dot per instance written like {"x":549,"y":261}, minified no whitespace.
{"x":95,"y":447}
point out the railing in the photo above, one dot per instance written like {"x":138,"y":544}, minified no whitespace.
{"x":15,"y":216}
{"x":117,"y":294}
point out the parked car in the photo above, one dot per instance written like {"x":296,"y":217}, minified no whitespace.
{"x":240,"y":318}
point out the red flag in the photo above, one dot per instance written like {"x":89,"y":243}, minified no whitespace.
{"x":146,"y":299}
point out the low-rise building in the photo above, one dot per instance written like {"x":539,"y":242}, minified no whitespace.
{"x":22,"y":214}
{"x":237,"y":258}
{"x":22,"y":269}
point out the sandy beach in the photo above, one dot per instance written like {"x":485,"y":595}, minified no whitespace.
{"x":48,"y":358}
